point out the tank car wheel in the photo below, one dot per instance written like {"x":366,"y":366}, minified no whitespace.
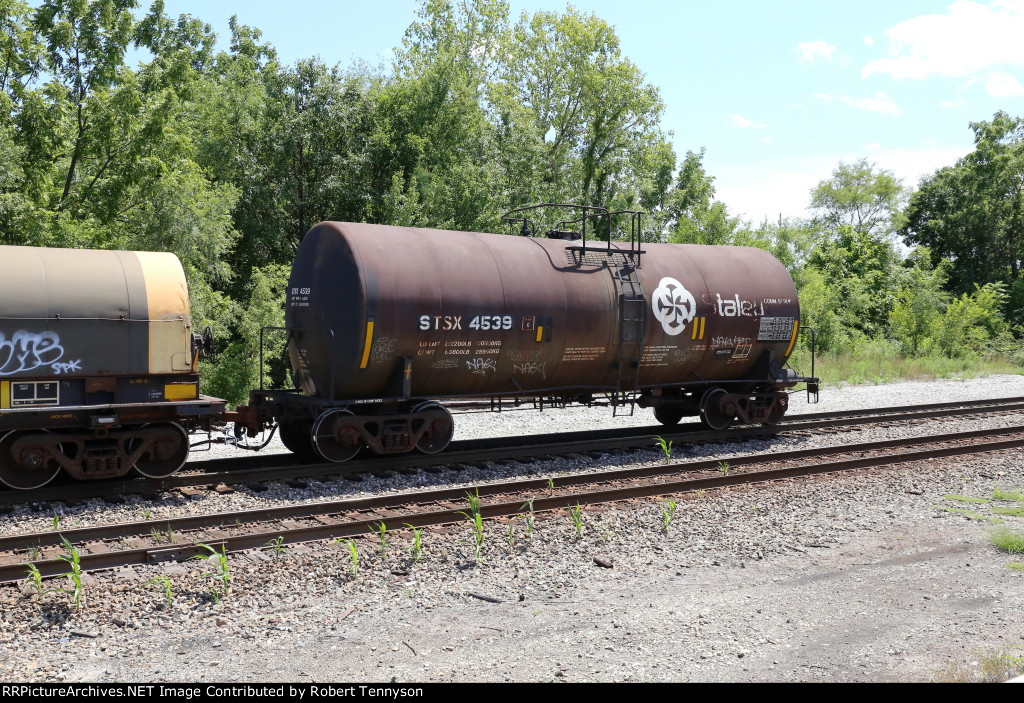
{"x":14,"y":474}
{"x":774,"y":417}
{"x":668,"y":414}
{"x":297,"y":437}
{"x":171,"y":451}
{"x":332,"y":442}
{"x":712,"y":414}
{"x":440,"y":430}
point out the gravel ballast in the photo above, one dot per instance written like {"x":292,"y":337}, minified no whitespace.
{"x":874,"y":576}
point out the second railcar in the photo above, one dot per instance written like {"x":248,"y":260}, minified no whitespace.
{"x":384,"y":321}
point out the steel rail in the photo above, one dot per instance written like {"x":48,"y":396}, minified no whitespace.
{"x":494,"y":449}
{"x":382,"y":506}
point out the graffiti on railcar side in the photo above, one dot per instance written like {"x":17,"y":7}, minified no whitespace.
{"x":531,"y":368}
{"x":383,"y":349}
{"x":481,"y":366}
{"x":28,"y":351}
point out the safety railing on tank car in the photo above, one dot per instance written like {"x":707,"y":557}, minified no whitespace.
{"x":529,"y":227}
{"x":288,"y":338}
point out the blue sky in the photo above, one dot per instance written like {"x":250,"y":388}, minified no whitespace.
{"x":777,"y":92}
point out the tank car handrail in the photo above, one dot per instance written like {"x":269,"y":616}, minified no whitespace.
{"x":289,"y":330}
{"x":634,"y":229}
{"x":635,"y":234}
{"x":599,"y":212}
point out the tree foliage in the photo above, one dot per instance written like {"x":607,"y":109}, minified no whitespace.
{"x":973,"y":213}
{"x":859,"y":197}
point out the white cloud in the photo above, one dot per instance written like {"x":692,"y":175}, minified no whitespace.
{"x":1003,"y":85}
{"x":910,"y":165}
{"x":767,"y":189}
{"x":970,"y":38}
{"x":879,"y":102}
{"x":869,"y":40}
{"x":743,"y":123}
{"x":811,"y":51}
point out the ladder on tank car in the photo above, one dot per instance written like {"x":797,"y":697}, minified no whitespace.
{"x":632,"y":321}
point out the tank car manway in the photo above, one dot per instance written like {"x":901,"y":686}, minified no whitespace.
{"x":270,"y":468}
{"x":104,"y":547}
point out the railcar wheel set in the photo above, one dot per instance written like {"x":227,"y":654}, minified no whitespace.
{"x":99,"y":361}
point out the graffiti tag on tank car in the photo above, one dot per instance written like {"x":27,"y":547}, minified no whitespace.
{"x":481,"y":366}
{"x":28,"y":351}
{"x":383,"y":349}
{"x":673,"y":306}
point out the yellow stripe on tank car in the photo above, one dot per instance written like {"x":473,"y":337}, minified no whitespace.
{"x":792,"y":341}
{"x":698,"y":328}
{"x":170,"y":325}
{"x":367,"y":345}
{"x":5,"y":395}
{"x":540,"y":332}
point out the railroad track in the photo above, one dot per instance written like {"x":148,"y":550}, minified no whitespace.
{"x":259,"y":469}
{"x":175,"y":539}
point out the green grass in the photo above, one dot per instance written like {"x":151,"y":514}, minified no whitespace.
{"x":969,"y":514}
{"x":874,"y":363}
{"x":1015,"y":566}
{"x":989,"y":666}
{"x":1016,"y":495}
{"x":1012,"y":512}
{"x":1006,"y":540}
{"x":965,"y":499}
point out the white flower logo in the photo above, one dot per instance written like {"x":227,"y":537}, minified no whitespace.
{"x":673,"y":305}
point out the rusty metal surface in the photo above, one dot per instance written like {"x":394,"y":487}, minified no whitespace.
{"x":392,"y":311}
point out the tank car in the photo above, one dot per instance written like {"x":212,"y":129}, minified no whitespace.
{"x":98,"y":365}
{"x":383,"y":322}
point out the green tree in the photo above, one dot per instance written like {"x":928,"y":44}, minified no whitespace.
{"x":863,"y":269}
{"x":973,"y":213}
{"x":920,"y":302}
{"x":695,"y":217}
{"x":593,"y":116}
{"x":859,"y":197}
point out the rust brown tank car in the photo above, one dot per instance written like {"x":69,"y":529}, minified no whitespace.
{"x":384,"y":321}
{"x":97,"y":365}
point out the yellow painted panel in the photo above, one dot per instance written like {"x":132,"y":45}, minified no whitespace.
{"x":181,"y":391}
{"x":5,"y":394}
{"x":540,"y":332}
{"x":170,"y":324}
